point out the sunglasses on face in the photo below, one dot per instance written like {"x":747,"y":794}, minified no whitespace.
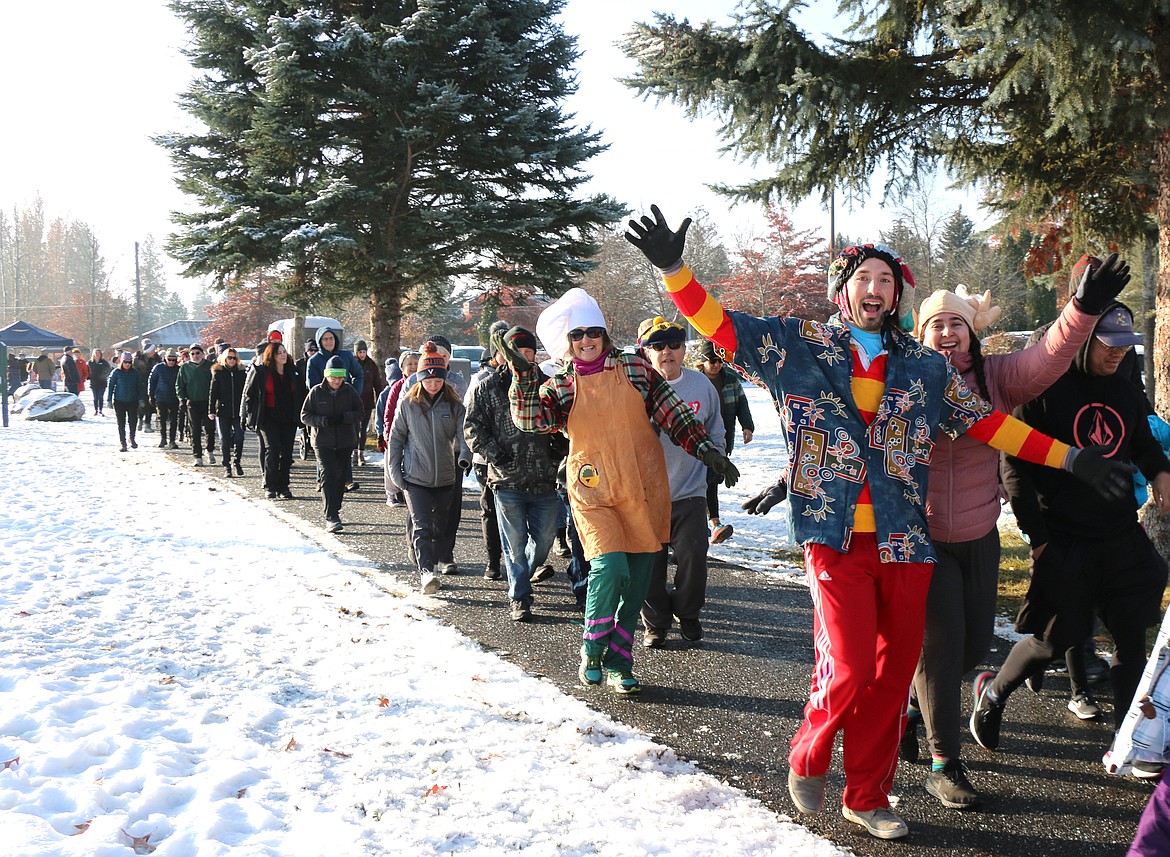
{"x":171,"y":359}
{"x":658,"y":346}
{"x":231,"y":358}
{"x":577,"y":334}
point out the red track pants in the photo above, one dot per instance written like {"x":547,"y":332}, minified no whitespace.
{"x":868,"y":618}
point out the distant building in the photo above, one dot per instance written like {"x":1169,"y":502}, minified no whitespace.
{"x":177,"y":334}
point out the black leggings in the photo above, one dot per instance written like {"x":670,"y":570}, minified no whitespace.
{"x":126,"y":411}
{"x":1125,"y":672}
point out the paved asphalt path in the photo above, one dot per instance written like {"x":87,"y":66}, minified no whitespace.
{"x":730,"y":703}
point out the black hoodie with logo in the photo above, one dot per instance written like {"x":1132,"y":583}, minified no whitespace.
{"x":1082,"y":410}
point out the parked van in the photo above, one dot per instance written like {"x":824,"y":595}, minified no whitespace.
{"x":313,"y":323}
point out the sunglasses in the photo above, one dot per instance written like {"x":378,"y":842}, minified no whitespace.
{"x":577,"y":334}
{"x":169,"y":359}
{"x":231,"y":358}
{"x":658,"y":346}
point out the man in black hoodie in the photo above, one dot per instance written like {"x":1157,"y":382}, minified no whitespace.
{"x":1089,"y":555}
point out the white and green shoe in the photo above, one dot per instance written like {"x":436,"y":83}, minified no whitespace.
{"x":622,"y":682}
{"x":590,"y":671}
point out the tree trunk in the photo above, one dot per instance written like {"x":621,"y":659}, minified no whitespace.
{"x":1159,"y":526}
{"x":385,"y":322}
{"x":1149,"y":299}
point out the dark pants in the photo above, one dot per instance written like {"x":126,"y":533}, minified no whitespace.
{"x":99,"y":397}
{"x":489,"y":524}
{"x":688,"y":538}
{"x":145,"y":413}
{"x":127,"y":412}
{"x":960,"y":621}
{"x":578,"y":569}
{"x":168,"y":421}
{"x":451,"y":527}
{"x":1121,"y":579}
{"x":182,"y":420}
{"x":429,"y":510}
{"x":336,"y":470}
{"x":200,"y":424}
{"x":278,"y":438}
{"x":231,"y":435}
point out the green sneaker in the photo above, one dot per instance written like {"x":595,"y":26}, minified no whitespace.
{"x":590,"y":671}
{"x":622,"y":682}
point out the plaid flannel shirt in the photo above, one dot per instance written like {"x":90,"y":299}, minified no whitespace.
{"x":545,"y":407}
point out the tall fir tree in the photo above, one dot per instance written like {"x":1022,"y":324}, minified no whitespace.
{"x":376,"y":148}
{"x":1061,"y":106}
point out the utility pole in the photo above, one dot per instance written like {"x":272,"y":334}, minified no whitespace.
{"x":138,"y":291}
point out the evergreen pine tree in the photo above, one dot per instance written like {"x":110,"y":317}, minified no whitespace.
{"x":377,"y":148}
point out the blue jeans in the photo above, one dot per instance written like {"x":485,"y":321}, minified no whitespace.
{"x":528,"y":525}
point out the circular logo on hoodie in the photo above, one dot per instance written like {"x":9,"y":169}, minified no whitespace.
{"x":1097,"y":424}
{"x":588,"y":476}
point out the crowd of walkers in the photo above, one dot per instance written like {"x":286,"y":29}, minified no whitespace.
{"x":613,"y":458}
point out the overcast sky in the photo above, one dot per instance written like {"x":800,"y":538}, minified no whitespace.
{"x":86,"y":86}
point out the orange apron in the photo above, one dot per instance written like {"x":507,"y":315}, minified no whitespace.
{"x":616,"y":472}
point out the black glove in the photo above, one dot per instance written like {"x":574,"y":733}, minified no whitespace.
{"x":335,"y":419}
{"x":1101,"y":287}
{"x":722,"y":465}
{"x":1112,"y":479}
{"x":657,"y":242}
{"x":502,"y":342}
{"x":766,"y":499}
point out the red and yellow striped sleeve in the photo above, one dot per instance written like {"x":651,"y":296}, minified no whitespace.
{"x":700,"y":308}
{"x":1007,"y":434}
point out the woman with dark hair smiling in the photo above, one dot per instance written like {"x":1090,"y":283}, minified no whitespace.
{"x":273,"y":393}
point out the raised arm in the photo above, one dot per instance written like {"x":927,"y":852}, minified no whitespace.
{"x":663,"y":247}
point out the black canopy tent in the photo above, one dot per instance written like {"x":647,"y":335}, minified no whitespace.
{"x":21,"y":334}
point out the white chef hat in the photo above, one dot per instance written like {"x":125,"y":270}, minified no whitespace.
{"x":575,"y":308}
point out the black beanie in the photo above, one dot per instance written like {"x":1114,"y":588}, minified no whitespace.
{"x":523,"y":338}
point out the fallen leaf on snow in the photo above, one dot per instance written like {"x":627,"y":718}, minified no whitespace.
{"x":140,"y":844}
{"x":336,"y":753}
{"x":11,"y":763}
{"x":478,"y":678}
{"x":291,"y":745}
{"x":434,"y":790}
{"x":167,"y":679}
{"x":241,"y":793}
{"x":81,"y":828}
{"x":383,"y":702}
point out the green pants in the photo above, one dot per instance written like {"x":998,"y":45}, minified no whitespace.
{"x":618,"y":583}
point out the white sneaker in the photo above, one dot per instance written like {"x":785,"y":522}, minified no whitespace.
{"x":198,"y":462}
{"x":430,"y":583}
{"x":881,"y":823}
{"x":447,"y":568}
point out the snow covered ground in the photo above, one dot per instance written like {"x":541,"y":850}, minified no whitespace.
{"x":184,"y":671}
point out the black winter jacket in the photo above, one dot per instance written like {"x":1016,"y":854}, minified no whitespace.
{"x":289,"y":394}
{"x":227,"y":391}
{"x":517,"y":460}
{"x":322,"y":404}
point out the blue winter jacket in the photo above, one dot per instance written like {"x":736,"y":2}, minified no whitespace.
{"x":161,"y":385}
{"x":125,"y":385}
{"x":315,"y":368}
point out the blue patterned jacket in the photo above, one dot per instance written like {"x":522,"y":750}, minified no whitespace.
{"x":808,"y":368}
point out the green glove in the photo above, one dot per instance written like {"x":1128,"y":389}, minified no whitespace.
{"x":502,"y":342}
{"x":722,"y":465}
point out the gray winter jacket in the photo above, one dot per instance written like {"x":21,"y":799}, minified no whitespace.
{"x":426,"y":443}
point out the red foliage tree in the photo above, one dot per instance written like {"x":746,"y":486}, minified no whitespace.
{"x":781,"y":273}
{"x":243,"y":315}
